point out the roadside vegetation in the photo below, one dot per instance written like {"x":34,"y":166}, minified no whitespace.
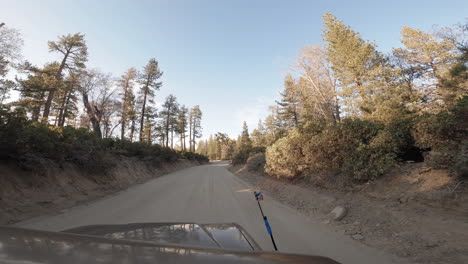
{"x":66,"y":112}
{"x":349,"y":110}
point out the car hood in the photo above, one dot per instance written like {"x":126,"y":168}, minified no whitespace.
{"x":228,"y":236}
{"x":18,"y":245}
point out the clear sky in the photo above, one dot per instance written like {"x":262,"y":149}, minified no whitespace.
{"x":227,"y":56}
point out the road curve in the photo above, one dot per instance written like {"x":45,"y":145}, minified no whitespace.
{"x":211,"y":194}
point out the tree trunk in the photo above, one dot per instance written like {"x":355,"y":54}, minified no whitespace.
{"x":35,"y":113}
{"x":37,"y":110}
{"x":190,"y":135}
{"x":122,"y":129}
{"x":65,"y":108}
{"x":124,"y":114}
{"x":106,"y":128}
{"x":148,"y":132}
{"x":172,"y":138}
{"x":92,"y":115}
{"x":167,"y":128}
{"x":142,"y":119}
{"x":112,"y":130}
{"x":62,"y":107}
{"x":181,"y":142}
{"x":56,"y":120}
{"x":132,"y":130}
{"x":337,"y":111}
{"x":52,"y":91}
{"x":193,"y":137}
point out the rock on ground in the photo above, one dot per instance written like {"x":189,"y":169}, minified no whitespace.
{"x":338,"y":213}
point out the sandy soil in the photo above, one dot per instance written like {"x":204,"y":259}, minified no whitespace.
{"x":415,"y":213}
{"x":210,"y":194}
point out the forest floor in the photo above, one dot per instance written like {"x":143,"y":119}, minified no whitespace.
{"x":416,"y":213}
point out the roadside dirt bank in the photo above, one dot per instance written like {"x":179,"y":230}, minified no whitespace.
{"x":25,"y":194}
{"x":416,"y":213}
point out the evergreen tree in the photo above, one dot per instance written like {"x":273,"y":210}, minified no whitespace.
{"x":195,"y":129}
{"x":169,"y":115}
{"x":75,"y":54}
{"x":33,"y":89}
{"x":289,"y":104}
{"x":212,"y":148}
{"x":353,"y":61}
{"x":258,"y":135}
{"x":67,"y":99}
{"x":274,"y":128}
{"x":182,"y":126}
{"x":149,"y":125}
{"x":244,"y":140}
{"x":126,"y":84}
{"x":148,"y":79}
{"x":429,"y":59}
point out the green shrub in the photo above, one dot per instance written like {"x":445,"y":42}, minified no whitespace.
{"x":195,"y":156}
{"x":285,"y":157}
{"x":256,"y":162}
{"x":445,"y":134}
{"x":31,"y":143}
{"x":359,"y":149}
{"x":242,"y":156}
{"x":368,"y":162}
{"x":460,"y":166}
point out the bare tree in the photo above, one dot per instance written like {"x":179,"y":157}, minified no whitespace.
{"x":97,"y":95}
{"x":318,"y":85}
{"x":10,"y":51}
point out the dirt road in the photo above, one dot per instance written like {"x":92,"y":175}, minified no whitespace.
{"x":211,"y":194}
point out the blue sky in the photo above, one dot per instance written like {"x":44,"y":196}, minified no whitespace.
{"x":227,"y":56}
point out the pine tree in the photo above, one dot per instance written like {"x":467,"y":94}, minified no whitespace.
{"x":221,"y":140}
{"x":274,"y":128}
{"x":149,"y":124}
{"x":353,"y":62}
{"x":67,"y":99}
{"x":212,"y":148}
{"x":148,"y":80}
{"x":258,"y":136}
{"x":195,"y":129}
{"x":182,"y":126}
{"x":289,"y":104}
{"x":33,"y":89}
{"x":169,"y":114}
{"x":126,"y":84}
{"x":244,"y":140}
{"x":132,"y":115}
{"x":428,"y":60}
{"x":75,"y":54}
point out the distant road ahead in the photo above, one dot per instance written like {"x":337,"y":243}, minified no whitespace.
{"x":211,"y":194}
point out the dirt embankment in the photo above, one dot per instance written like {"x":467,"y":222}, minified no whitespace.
{"x":25,"y":194}
{"x":415,"y":213}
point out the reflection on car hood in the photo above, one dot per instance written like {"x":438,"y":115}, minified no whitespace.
{"x":229,"y":236}
{"x":18,"y":245}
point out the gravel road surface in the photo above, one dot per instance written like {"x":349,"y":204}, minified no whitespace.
{"x":211,"y":194}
